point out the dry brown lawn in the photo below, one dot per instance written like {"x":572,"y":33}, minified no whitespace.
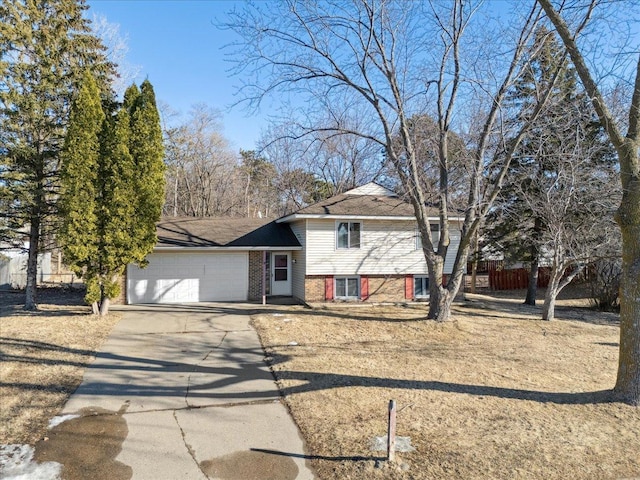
{"x":497,"y":393}
{"x":43,"y":356}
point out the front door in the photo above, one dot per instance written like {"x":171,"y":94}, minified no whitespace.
{"x":281,"y":273}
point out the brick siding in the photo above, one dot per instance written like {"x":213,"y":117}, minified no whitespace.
{"x":255,"y":275}
{"x":381,"y":288}
{"x":121,"y":299}
{"x":314,"y":288}
{"x":386,"y":288}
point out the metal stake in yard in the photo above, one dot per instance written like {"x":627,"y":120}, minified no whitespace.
{"x":264,"y":277}
{"x":391,"y":433}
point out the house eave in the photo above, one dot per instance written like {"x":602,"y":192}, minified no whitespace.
{"x":405,"y":218}
{"x":224,"y":249}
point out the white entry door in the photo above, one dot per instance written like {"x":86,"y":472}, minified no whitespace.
{"x":281,"y":273}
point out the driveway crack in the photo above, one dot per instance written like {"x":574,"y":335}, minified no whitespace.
{"x":195,"y":368}
{"x":192,"y":454}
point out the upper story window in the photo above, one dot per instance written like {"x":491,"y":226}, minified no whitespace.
{"x":348,"y":234}
{"x":435,"y":236}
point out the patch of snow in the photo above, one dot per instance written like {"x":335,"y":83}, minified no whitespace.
{"x":293,"y":344}
{"x":16,"y":463}
{"x":278,"y":314}
{"x":286,"y":319}
{"x":403,"y":444}
{"x":55,"y":421}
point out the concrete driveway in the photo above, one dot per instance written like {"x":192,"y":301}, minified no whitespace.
{"x":180,"y":392}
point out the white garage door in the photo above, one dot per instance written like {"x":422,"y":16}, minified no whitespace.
{"x":189,"y":277}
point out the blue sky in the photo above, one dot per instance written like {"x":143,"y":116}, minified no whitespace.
{"x":179,"y":49}
{"x":177,"y":46}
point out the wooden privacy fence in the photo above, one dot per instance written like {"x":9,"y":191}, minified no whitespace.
{"x":516,"y":279}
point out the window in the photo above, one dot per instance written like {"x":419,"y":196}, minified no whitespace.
{"x":347,"y":287}
{"x":435,"y":236}
{"x":420,"y":286}
{"x":280,"y":268}
{"x":348,"y":234}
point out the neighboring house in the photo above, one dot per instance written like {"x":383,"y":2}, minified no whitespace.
{"x":362,"y":245}
{"x":13,"y":267}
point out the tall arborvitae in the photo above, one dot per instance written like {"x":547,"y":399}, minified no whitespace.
{"x":122,"y":193}
{"x":147,"y":148}
{"x":45,"y":45}
{"x":79,"y":210}
{"x":117,"y":191}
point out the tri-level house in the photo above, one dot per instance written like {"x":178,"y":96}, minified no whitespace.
{"x":362,"y":245}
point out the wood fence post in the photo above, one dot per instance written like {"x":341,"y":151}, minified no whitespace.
{"x":391,"y":433}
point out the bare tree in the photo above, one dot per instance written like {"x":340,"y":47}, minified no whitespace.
{"x":574,"y":217}
{"x":260,"y":193}
{"x":628,"y":214}
{"x":345,"y":161}
{"x":202,"y":175}
{"x":393,"y":60}
{"x":338,"y":162}
{"x":117,"y":46}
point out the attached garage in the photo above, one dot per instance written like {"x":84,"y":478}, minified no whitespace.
{"x":211,"y":260}
{"x":183,"y":277}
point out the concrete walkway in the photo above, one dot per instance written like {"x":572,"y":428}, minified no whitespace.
{"x":198,"y":400}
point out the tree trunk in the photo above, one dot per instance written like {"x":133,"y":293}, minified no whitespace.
{"x":474,"y":261}
{"x":32,"y":261}
{"x":436,"y":290}
{"x":474,"y":276}
{"x":104,"y":306}
{"x":628,"y":217}
{"x":532,"y":288}
{"x":444,"y":309}
{"x":548,"y":310}
{"x":94,"y":308}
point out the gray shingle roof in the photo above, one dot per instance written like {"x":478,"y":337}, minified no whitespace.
{"x":362,"y":205}
{"x":224,"y":232}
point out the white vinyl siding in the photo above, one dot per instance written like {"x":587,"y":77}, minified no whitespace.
{"x":298,"y":258}
{"x":435,"y":236}
{"x":176,"y":277}
{"x":386,"y":247}
{"x":454,"y":243}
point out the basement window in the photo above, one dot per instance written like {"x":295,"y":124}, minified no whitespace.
{"x":347,"y":288}
{"x":420,"y":286}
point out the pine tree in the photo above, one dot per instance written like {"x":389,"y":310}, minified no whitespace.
{"x":517,"y":226}
{"x":45,"y":45}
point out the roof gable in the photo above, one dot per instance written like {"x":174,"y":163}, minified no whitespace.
{"x":371,"y":188}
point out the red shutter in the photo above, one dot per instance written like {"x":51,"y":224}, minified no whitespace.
{"x":364,"y":288}
{"x":328,"y":288}
{"x":408,"y":287}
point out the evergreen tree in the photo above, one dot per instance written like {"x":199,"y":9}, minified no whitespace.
{"x":147,"y":148}
{"x":125,"y":192}
{"x":516,"y":227}
{"x":45,"y":45}
{"x":78,"y":178}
